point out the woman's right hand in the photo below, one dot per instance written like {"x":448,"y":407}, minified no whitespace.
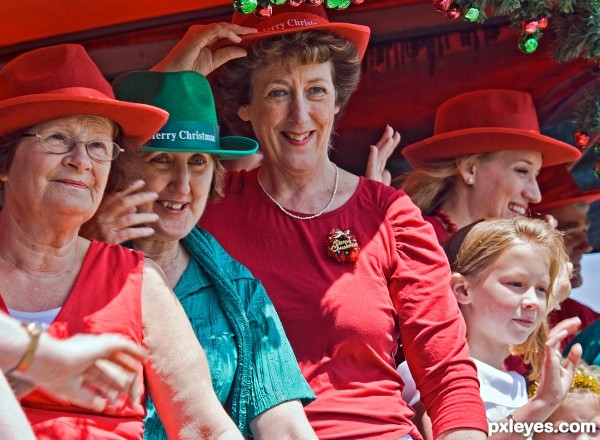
{"x":192,"y":52}
{"x":117,"y":220}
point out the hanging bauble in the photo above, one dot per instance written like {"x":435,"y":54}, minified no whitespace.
{"x":529,"y":44}
{"x":263,"y":12}
{"x":596,"y":170}
{"x":314,"y":2}
{"x":295,"y":3}
{"x":278,"y":2}
{"x":244,"y":6}
{"x":442,"y":5}
{"x":337,"y":4}
{"x":596,"y":149}
{"x":581,"y":139}
{"x":542,"y":23}
{"x":358,"y":2}
{"x":452,"y":13}
{"x":530,"y":27}
{"x":471,"y":15}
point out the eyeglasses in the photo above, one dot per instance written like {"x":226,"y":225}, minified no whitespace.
{"x":61,"y":143}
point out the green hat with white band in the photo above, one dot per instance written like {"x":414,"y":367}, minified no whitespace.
{"x":192,"y":126}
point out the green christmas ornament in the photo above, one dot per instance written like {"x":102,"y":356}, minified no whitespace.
{"x":244,"y":6}
{"x":337,"y":4}
{"x":278,"y":2}
{"x":529,"y":45}
{"x":596,"y":170}
{"x":471,"y":15}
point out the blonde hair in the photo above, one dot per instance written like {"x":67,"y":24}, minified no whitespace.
{"x":474,"y":248}
{"x":429,"y":186}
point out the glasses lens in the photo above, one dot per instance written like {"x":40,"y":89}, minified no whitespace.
{"x":57,"y":143}
{"x":102,"y":150}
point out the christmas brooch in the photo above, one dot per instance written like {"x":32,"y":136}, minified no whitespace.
{"x":342,"y":246}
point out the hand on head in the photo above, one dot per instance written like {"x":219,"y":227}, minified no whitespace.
{"x":379,"y":155}
{"x":192,"y":51}
{"x":117,"y":220}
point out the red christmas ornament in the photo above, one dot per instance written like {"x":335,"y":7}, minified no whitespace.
{"x":542,"y":23}
{"x":314,"y":2}
{"x":530,"y":27}
{"x":358,"y":2}
{"x":452,"y":14}
{"x":581,"y":139}
{"x":295,"y":3}
{"x":442,"y":5}
{"x":262,"y":12}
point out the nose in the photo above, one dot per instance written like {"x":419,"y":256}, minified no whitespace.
{"x":180,"y":180}
{"x":78,"y":157}
{"x":532,"y":301}
{"x":584,"y":245}
{"x":532,"y":191}
{"x":299,"y":109}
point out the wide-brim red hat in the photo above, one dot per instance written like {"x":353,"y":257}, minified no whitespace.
{"x":559,"y":188}
{"x":287,"y":19}
{"x":485,"y":121}
{"x":59,"y":81}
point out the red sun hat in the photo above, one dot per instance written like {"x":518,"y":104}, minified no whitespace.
{"x":287,"y":19}
{"x":484,"y":121}
{"x":57,"y":81}
{"x":559,"y":188}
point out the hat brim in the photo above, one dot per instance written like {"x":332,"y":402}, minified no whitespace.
{"x":585,"y":196}
{"x":357,"y":34}
{"x":232,"y":147}
{"x":458,"y":143}
{"x":138,"y":121}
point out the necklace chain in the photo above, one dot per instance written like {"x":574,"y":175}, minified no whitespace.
{"x":299,"y":217}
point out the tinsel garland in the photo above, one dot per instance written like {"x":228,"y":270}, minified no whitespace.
{"x":264,"y":8}
{"x":586,"y":377}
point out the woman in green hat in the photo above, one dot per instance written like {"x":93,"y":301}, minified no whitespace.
{"x":254,"y":371}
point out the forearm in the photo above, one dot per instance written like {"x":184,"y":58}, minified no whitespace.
{"x":14,"y":341}
{"x":536,"y":410}
{"x":13,"y":423}
{"x":285,"y":421}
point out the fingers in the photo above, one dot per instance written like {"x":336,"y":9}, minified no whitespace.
{"x":388,"y":143}
{"x":568,"y":326}
{"x":574,"y":355}
{"x":548,"y":218}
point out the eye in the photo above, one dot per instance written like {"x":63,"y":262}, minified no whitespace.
{"x":59,"y":139}
{"x":277,"y":94}
{"x":100,"y":146}
{"x":515,"y":283}
{"x":198,"y":161}
{"x":523,"y":171}
{"x":160,"y":159}
{"x":316,"y":91}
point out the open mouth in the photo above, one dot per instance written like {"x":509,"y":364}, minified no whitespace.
{"x":298,"y":137}
{"x":517,"y":209}
{"x":172,"y":206}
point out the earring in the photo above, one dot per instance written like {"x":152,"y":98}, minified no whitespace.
{"x":470,"y":181}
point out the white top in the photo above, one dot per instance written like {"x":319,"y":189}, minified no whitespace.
{"x":502,"y":392}
{"x":44,"y":318}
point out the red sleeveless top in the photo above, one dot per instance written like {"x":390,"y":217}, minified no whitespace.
{"x":106,"y":298}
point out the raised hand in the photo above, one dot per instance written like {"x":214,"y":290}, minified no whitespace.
{"x":117,"y":219}
{"x":379,"y":155}
{"x":192,"y":51}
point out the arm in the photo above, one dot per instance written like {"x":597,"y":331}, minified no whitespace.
{"x":379,"y":155}
{"x":282,"y":422}
{"x":88,"y":370}
{"x":13,"y":423}
{"x":557,"y":375}
{"x":177,"y":373}
{"x":117,"y":220}
{"x":192,"y":52}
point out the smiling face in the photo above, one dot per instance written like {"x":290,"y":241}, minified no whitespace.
{"x":504,"y":184}
{"x":292,"y":112}
{"x":573,"y":221}
{"x":182,"y":182}
{"x":506,"y":302}
{"x":68,"y":183}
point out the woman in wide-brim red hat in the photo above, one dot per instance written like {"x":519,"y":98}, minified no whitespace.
{"x":60,"y":129}
{"x":482,"y":160}
{"x":349,"y":263}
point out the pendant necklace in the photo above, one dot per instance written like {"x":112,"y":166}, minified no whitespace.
{"x":299,"y":217}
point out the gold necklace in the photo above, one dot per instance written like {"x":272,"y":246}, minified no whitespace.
{"x":299,"y":217}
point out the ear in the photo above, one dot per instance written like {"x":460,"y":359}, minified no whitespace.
{"x":243,"y":113}
{"x":467,"y":169}
{"x":337,"y":110}
{"x":460,"y":287}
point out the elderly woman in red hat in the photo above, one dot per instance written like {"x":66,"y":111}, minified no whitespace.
{"x":349,"y":263}
{"x":482,"y":161}
{"x":60,"y":129}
